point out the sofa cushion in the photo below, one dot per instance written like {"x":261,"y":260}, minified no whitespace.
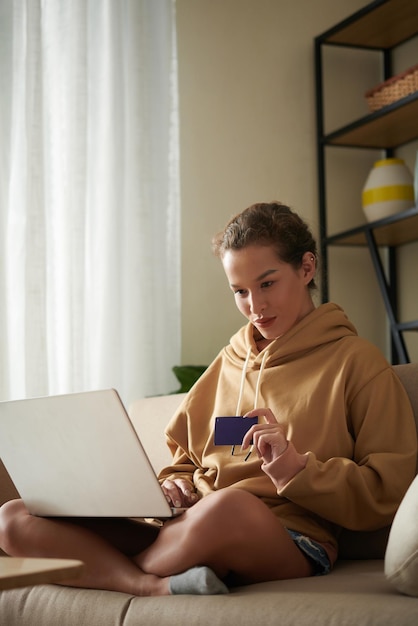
{"x":355,"y":592}
{"x":401,"y":558}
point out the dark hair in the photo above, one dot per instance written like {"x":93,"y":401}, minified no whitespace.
{"x":268,"y":224}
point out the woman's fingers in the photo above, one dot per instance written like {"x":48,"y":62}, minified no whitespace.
{"x":270,"y":445}
{"x":179,"y":493}
{"x":268,"y":438}
{"x":268,"y":416}
{"x":266,"y":413}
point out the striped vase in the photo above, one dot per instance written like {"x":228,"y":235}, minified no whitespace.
{"x":389,"y":189}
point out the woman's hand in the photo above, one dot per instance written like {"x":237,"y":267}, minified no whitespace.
{"x":269,"y":439}
{"x":179,"y":493}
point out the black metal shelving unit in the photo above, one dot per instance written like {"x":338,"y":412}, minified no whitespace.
{"x":380,"y":26}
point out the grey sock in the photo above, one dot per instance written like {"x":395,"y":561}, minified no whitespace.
{"x":198,"y":581}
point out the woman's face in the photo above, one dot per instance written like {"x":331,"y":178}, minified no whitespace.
{"x":271,"y":294}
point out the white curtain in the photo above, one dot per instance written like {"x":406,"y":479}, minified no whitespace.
{"x":89,"y":193}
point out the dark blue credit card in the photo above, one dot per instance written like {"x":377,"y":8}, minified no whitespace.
{"x":230,"y":431}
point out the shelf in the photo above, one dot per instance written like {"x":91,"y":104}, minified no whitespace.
{"x":383,"y":24}
{"x":396,"y":230}
{"x":390,"y":127}
{"x":404,"y":326}
{"x":380,"y":26}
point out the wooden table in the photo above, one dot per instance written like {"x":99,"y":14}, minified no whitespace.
{"x":25,"y":572}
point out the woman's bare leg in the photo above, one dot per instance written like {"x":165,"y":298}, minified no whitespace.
{"x":106,"y":567}
{"x":232,"y":532}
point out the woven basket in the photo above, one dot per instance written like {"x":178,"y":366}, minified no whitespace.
{"x":393,"y":89}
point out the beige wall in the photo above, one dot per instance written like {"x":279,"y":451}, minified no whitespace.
{"x":247,"y":115}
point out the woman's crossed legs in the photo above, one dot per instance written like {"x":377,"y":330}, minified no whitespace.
{"x":231,"y":531}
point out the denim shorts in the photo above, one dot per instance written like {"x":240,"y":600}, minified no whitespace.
{"x":314,"y":551}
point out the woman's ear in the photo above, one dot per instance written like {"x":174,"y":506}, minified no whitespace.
{"x":309,"y":266}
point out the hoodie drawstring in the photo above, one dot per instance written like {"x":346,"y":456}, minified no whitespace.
{"x":243,"y":376}
{"x":257,"y":388}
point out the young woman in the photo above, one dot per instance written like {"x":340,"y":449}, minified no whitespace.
{"x":334,"y":446}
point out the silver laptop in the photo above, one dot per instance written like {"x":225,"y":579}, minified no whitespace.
{"x":79,"y":455}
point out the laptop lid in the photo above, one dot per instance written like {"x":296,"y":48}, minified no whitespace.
{"x":79,"y":455}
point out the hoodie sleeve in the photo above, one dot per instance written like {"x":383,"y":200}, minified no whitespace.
{"x":362,"y":492}
{"x":181,"y":467}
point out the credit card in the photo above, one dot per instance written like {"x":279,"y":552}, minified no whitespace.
{"x":230,"y":431}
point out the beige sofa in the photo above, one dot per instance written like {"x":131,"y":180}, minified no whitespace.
{"x":356,"y":592}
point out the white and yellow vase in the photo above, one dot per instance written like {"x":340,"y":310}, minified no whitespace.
{"x":389,"y":189}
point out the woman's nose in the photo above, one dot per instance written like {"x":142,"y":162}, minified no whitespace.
{"x":257,"y":305}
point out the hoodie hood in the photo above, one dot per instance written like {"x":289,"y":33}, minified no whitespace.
{"x":327,"y":324}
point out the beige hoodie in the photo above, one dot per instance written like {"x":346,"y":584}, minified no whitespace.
{"x":352,"y":450}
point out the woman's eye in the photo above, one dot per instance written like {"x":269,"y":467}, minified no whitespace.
{"x":267,"y":284}
{"x":240,"y":292}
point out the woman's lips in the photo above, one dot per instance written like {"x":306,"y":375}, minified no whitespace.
{"x":264,"y":322}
